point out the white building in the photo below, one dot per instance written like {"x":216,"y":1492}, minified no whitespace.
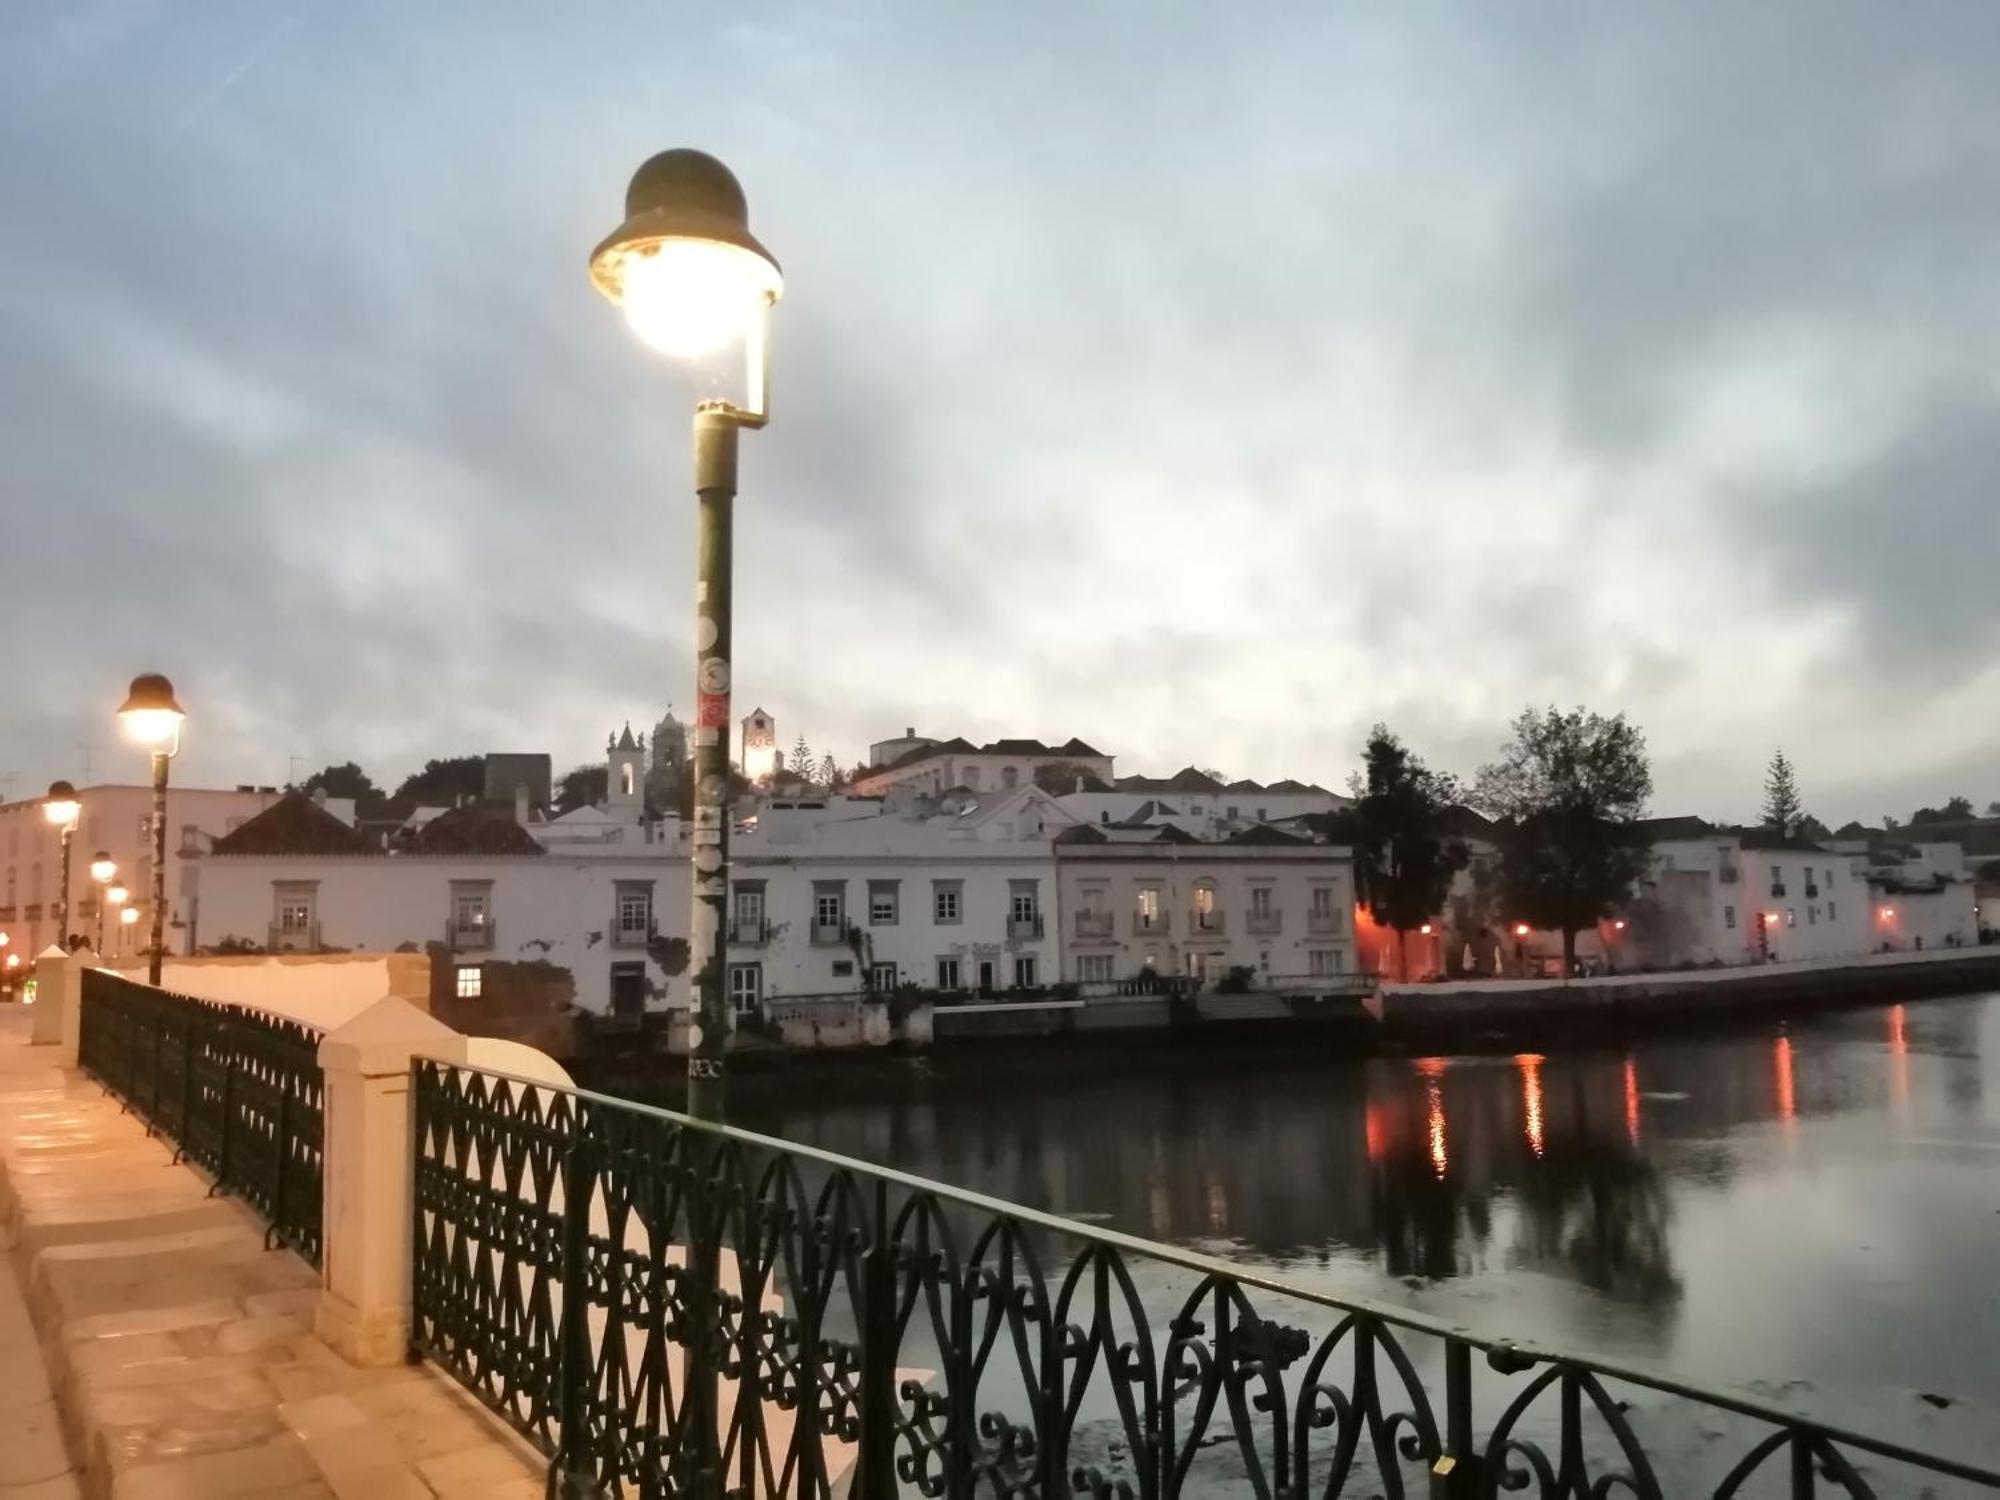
{"x":938,"y":766}
{"x":837,"y":896}
{"x":474,"y":890}
{"x":119,"y":821}
{"x":1153,"y":901}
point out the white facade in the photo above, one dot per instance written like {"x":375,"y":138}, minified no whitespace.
{"x":607,"y":917}
{"x":838,"y":897}
{"x":1134,"y":906}
{"x":1001,"y":766}
{"x":117,"y":820}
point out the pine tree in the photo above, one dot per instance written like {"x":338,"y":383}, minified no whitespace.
{"x":802,"y":763}
{"x":1783,"y":811}
{"x":829,"y":774}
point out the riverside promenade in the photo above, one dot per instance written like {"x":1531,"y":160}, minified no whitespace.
{"x":151,"y":1348}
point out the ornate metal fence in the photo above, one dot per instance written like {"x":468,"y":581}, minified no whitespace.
{"x":668,"y":1308}
{"x":236,"y":1091}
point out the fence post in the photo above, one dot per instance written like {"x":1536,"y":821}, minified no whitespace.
{"x":1455,"y":1476}
{"x":876,"y":1462}
{"x":369,"y":1165}
{"x":70,"y":1024}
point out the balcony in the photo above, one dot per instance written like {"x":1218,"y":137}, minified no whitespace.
{"x":1812,"y":892}
{"x":749,"y":932}
{"x":8,"y":913}
{"x":1264,"y":923}
{"x":1149,"y":924}
{"x":828,"y":934}
{"x":1729,"y":874}
{"x":33,"y":911}
{"x":468,"y":937}
{"x":628,"y":934}
{"x":1205,"y":923}
{"x":1777,"y":890}
{"x":295,"y":937}
{"x":1025,"y":927}
{"x":1093,"y":926}
{"x":1323,"y":923}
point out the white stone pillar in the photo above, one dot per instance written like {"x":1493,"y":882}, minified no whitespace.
{"x":52,"y":970}
{"x":71,"y":1023}
{"x":368,"y":1171}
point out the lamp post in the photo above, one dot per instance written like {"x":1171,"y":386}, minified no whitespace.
{"x":62,"y":810}
{"x":128,"y":918}
{"x":102,"y":868}
{"x":693,"y":281}
{"x":152,"y":718}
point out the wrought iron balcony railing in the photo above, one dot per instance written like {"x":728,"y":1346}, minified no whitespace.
{"x":294,"y":937}
{"x":628,"y":934}
{"x":1323,"y":923}
{"x":1208,"y":923}
{"x":828,"y":934}
{"x":1778,"y":889}
{"x":1264,"y":922}
{"x":1149,"y":924}
{"x":1093,"y":926}
{"x":666,"y":1307}
{"x":238,"y":1092}
{"x":749,"y":932}
{"x":1025,"y":927}
{"x":1730,"y":874}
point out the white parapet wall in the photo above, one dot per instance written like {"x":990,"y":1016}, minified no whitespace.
{"x":324,"y":991}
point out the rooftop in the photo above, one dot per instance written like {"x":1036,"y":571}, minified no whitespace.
{"x":294,"y":824}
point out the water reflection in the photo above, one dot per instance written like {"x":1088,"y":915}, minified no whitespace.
{"x":1639,"y":1182}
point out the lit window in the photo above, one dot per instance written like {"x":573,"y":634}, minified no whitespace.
{"x":1204,"y":900}
{"x":469,"y":979}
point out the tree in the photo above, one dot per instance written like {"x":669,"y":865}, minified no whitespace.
{"x":1570,"y":789}
{"x":1782,"y":808}
{"x":801,"y":763}
{"x":830,"y":775}
{"x":447,"y":782}
{"x":1953,"y":810}
{"x":344,"y":780}
{"x":1993,"y":809}
{"x":586,"y":786}
{"x":1403,"y":863}
{"x":1811,"y":828}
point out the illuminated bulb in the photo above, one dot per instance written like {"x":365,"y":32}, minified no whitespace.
{"x":151,"y":726}
{"x":692,"y":297}
{"x":129,"y":915}
{"x":1425,"y":929}
{"x":1520,"y":929}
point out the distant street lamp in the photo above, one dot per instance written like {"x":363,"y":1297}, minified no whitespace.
{"x":128,"y":917}
{"x":102,"y":868}
{"x":693,"y":281}
{"x":152,"y":718}
{"x":62,"y":810}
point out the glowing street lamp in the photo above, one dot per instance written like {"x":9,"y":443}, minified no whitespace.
{"x":693,"y":282}
{"x":151,"y":717}
{"x":62,"y":809}
{"x":128,"y":918}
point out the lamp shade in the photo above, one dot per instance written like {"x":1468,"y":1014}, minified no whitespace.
{"x":102,"y":866}
{"x":150,"y":713}
{"x":684,"y":265}
{"x":61,"y":807}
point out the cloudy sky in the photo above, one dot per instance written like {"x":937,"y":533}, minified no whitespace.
{"x":1206,"y":381}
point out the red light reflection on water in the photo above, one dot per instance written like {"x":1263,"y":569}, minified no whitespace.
{"x":1781,"y":1066}
{"x":1530,"y":1064}
{"x":1431,"y":1070}
{"x":1632,"y":1100}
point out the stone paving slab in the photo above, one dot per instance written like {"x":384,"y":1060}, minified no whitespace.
{"x":152,"y":1349}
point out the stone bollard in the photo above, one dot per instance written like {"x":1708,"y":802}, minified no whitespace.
{"x":368,"y":1173}
{"x":71,"y":1021}
{"x":53,"y":969}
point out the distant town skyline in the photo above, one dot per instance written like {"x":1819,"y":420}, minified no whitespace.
{"x":1205,"y":385}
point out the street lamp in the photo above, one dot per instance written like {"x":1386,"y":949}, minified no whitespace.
{"x":62,"y":810}
{"x":693,"y":281}
{"x":152,"y":718}
{"x":128,"y":917}
{"x":102,"y":868}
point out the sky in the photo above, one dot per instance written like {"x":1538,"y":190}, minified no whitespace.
{"x":1208,"y":382}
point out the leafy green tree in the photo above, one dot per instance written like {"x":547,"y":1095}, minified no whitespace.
{"x":344,"y":780}
{"x":1061,"y":777}
{"x":1403,"y":862}
{"x":447,"y":782}
{"x":586,"y":786}
{"x":1570,"y":789}
{"x":1953,"y":810}
{"x":801,"y":764}
{"x":1783,"y":810}
{"x":830,"y":775}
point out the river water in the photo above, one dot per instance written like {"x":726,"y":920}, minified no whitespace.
{"x":1808,"y":1210}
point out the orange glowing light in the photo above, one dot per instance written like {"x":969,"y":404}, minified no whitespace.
{"x":1530,"y":1064}
{"x":1425,"y":929}
{"x":1632,"y":1100}
{"x":1888,"y":913}
{"x":1770,"y":919}
{"x":1431,"y":1067}
{"x":1619,"y":925}
{"x":1520,"y":929}
{"x":1372,"y":1131}
{"x":1781,"y":1063}
{"x":1899,"y":1062}
{"x":1434,"y":1122}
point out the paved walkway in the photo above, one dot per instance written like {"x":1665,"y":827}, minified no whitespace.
{"x":152,"y":1349}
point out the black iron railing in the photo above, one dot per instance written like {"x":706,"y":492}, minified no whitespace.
{"x":238,"y":1092}
{"x":668,"y":1308}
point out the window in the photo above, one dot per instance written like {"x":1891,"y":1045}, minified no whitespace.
{"x":1022,"y":900}
{"x":947,"y":974}
{"x":471,"y":905}
{"x":746,"y":987}
{"x":1320,"y":962}
{"x":1831,"y":913}
{"x":1264,"y":961}
{"x":882,"y":903}
{"x":748,"y":916}
{"x":635,"y":909}
{"x":972,"y":778}
{"x":1149,"y":907}
{"x":1263,"y":816}
{"x":1010,"y":778}
{"x":829,"y":905}
{"x":843,"y":968}
{"x":1791,"y":917}
{"x":1094,"y":968}
{"x":1233,"y":814}
{"x":468,"y":980}
{"x":946,"y":898}
{"x":1204,"y":900}
{"x":1260,"y":901}
{"x":294,"y":910}
{"x":881,"y":976}
{"x":1322,"y":901}
{"x":1024,"y":971}
{"x":1812,"y":916}
{"x":626,"y":786}
{"x":628,"y":989}
{"x":1729,"y":917}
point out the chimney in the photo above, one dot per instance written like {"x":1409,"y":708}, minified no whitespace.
{"x":521,"y":803}
{"x":910,"y":732}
